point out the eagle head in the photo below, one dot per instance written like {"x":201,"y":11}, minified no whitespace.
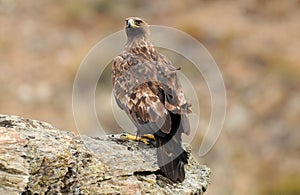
{"x":136,"y":28}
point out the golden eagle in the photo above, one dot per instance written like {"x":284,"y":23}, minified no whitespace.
{"x":146,"y":87}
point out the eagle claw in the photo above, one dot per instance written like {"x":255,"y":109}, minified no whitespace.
{"x":144,"y":138}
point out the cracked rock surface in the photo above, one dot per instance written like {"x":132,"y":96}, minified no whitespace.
{"x":35,"y":157}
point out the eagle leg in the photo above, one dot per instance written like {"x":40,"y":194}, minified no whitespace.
{"x":149,"y":136}
{"x":143,"y":138}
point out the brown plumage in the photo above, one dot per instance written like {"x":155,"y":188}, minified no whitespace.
{"x":146,"y":87}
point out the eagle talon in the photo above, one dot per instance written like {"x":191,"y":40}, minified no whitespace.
{"x":130,"y":137}
{"x":144,"y":138}
{"x":149,"y":136}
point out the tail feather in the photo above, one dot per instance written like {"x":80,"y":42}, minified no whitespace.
{"x":171,"y":157}
{"x":174,"y":169}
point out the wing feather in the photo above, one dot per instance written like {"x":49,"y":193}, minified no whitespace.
{"x":148,"y":91}
{"x":149,"y":110}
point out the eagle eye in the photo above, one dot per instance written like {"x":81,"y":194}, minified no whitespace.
{"x":138,"y":22}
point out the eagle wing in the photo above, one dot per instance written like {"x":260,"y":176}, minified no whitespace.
{"x":148,"y":90}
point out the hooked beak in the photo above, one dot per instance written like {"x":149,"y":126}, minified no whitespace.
{"x":130,"y":23}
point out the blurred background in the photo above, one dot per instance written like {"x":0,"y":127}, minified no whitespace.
{"x":254,"y":42}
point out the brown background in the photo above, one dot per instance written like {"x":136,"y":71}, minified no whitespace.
{"x":255,"y":43}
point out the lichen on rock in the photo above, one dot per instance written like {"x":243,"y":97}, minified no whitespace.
{"x":36,"y":157}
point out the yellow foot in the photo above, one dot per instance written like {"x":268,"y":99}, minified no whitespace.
{"x":144,"y":138}
{"x":149,"y":136}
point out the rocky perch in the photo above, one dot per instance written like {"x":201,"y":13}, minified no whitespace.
{"x":37,"y":158}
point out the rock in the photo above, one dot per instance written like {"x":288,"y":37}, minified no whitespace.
{"x":37,"y":158}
